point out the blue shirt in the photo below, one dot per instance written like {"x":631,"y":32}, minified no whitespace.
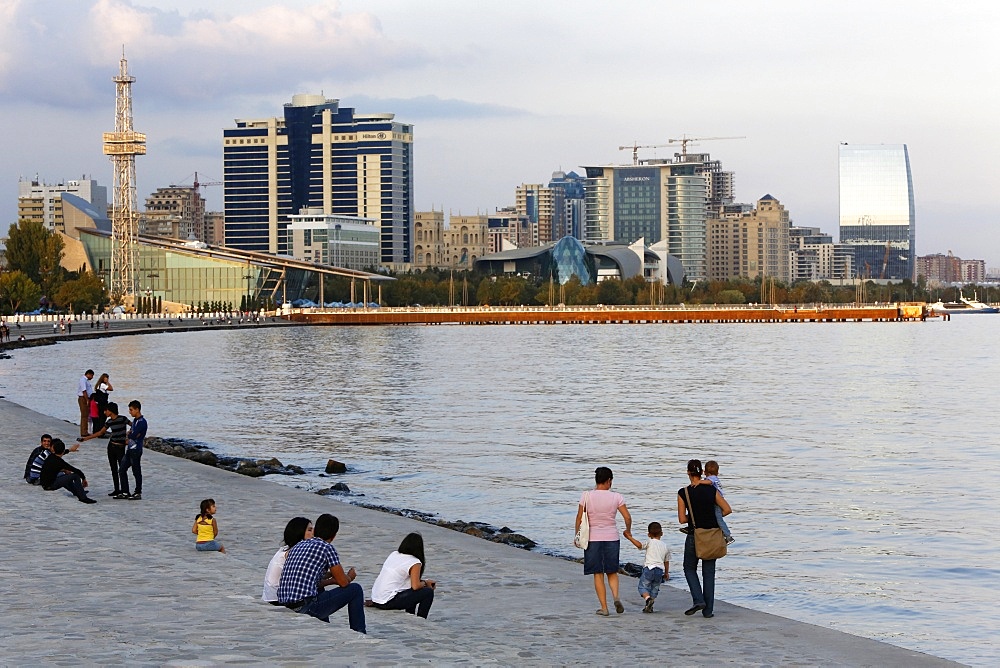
{"x":137,"y":434}
{"x":305,"y":565}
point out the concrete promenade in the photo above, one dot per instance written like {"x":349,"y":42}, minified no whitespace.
{"x":120,"y":583}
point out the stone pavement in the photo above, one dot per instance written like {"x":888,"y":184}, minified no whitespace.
{"x":120,"y":583}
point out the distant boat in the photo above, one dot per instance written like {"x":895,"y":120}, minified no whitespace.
{"x":963,"y":305}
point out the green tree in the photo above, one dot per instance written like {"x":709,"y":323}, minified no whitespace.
{"x":18,"y":292}
{"x":730,"y":297}
{"x":613,"y":292}
{"x":37,"y":252}
{"x":85,"y":293}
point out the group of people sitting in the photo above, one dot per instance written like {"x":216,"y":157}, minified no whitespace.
{"x":47,"y":467}
{"x":306,"y":575}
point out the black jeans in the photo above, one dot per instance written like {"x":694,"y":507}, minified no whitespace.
{"x":70,"y":481}
{"x":115,"y":453}
{"x":131,"y":460}
{"x":414,"y":601}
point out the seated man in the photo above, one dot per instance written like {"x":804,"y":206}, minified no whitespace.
{"x":314,"y":564}
{"x":57,"y":474}
{"x":34,"y":465}
{"x":44,"y":447}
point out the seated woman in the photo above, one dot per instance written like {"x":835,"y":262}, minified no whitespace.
{"x":399,"y":585}
{"x":297,"y":529}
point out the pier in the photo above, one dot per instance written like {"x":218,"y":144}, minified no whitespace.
{"x":591,"y":315}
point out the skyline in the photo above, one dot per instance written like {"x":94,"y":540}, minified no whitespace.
{"x":504,"y":95}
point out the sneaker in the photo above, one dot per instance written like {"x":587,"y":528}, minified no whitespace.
{"x":730,"y":540}
{"x":87,"y":499}
{"x":685,"y":529}
{"x":115,"y":493}
{"x":649,"y":604}
{"x":136,"y":497}
{"x":122,"y":495}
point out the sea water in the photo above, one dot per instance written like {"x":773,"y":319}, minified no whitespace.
{"x":861,"y":459}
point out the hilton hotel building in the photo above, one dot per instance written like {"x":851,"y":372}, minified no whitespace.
{"x":318,"y":156}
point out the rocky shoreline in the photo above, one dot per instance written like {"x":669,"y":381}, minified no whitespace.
{"x":256,"y":468}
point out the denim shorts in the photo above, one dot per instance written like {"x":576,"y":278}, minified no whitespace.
{"x":208,"y":546}
{"x":601,"y":557}
{"x":649,"y":581}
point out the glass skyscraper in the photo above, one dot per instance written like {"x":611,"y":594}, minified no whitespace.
{"x":876,"y":209}
{"x":319,"y":155}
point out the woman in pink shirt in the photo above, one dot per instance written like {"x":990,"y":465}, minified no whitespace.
{"x":601,"y":556}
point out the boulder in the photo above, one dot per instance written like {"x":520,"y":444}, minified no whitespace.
{"x":249,"y":469}
{"x":272,"y":463}
{"x":333,"y":466}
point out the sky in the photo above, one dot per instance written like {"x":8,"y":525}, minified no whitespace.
{"x":504,"y":93}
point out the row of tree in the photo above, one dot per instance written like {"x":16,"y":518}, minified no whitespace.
{"x":444,"y":288}
{"x":34,"y":277}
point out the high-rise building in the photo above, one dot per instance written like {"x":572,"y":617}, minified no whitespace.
{"x":570,"y":220}
{"x":508,"y":229}
{"x":749,"y":244}
{"x":942,"y":269}
{"x":41,"y":202}
{"x":654,"y":200}
{"x":876,"y":209}
{"x":543,"y":207}
{"x":176,"y":211}
{"x":319,"y":155}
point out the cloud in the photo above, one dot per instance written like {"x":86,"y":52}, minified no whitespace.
{"x":64,"y":54}
{"x":428,"y":107}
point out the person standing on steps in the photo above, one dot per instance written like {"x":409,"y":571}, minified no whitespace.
{"x":600,"y":559}
{"x":83,"y":391}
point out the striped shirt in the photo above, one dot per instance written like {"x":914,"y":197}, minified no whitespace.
{"x":117,"y":427}
{"x":36,"y":466}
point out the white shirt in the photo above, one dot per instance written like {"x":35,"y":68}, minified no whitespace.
{"x":656,"y":553}
{"x":84,"y":388}
{"x":394,"y":577}
{"x":273,"y":575}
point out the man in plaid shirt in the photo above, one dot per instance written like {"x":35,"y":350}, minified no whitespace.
{"x":314,"y":564}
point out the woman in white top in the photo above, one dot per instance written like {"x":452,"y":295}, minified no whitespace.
{"x":399,"y":585}
{"x":297,"y":529}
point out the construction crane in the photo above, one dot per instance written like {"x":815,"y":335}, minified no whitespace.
{"x":885,"y":260}
{"x":635,"y":149}
{"x":197,"y":184}
{"x":684,"y":140}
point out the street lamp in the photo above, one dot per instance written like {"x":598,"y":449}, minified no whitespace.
{"x":248,"y":276}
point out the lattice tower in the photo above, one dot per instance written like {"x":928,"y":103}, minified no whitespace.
{"x":123,"y":145}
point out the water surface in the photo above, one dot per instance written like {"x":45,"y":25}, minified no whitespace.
{"x":856,"y":456}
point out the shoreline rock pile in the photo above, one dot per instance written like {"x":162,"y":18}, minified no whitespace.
{"x":254,"y":468}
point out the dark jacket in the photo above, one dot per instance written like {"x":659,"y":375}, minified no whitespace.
{"x":51,"y":469}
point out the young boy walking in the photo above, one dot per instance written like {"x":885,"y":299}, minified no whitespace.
{"x":656,"y":567}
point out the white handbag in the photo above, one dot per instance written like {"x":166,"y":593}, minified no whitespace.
{"x":583,"y":535}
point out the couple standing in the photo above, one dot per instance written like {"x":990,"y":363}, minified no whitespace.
{"x":600,"y":558}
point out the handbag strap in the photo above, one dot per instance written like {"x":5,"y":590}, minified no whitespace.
{"x":690,"y":508}
{"x":586,"y":501}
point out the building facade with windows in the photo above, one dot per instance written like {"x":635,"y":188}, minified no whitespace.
{"x":339,"y":241}
{"x":175,"y":211}
{"x":654,"y":200}
{"x":318,"y":155}
{"x":428,"y":244}
{"x":42,"y":202}
{"x":877,"y":217}
{"x":750,"y":244}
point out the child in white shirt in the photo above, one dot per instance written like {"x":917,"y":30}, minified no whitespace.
{"x":656,"y":568}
